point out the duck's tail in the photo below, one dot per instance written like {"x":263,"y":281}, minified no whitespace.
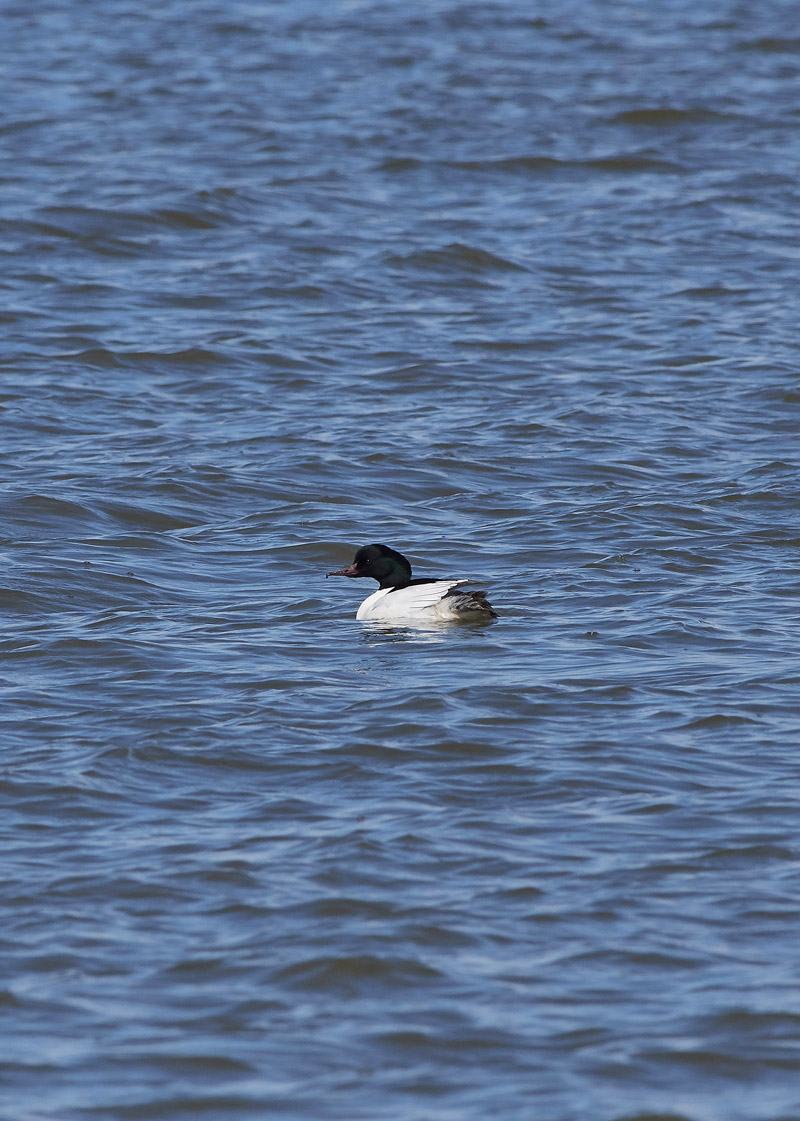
{"x":469,"y":605}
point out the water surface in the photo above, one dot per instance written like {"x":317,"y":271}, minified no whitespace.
{"x":511,"y":288}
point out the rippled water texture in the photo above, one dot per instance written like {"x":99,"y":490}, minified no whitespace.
{"x":512,"y":287}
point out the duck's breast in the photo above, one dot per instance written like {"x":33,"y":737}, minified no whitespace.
{"x":370,"y":608}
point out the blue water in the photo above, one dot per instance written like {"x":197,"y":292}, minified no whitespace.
{"x":512,"y":288}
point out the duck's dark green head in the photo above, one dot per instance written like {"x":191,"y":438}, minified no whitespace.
{"x":387,"y":566}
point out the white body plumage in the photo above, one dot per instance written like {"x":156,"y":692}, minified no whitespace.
{"x":418,"y":601}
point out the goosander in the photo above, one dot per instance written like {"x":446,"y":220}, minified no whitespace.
{"x":400,"y":598}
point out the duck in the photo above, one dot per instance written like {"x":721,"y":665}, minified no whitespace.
{"x":401,"y":599}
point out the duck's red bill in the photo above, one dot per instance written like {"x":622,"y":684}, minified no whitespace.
{"x":349,"y":571}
